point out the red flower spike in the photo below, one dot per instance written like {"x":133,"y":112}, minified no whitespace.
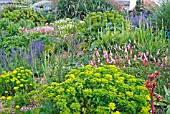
{"x":150,"y":85}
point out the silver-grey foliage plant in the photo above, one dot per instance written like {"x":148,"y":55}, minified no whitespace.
{"x":44,"y":6}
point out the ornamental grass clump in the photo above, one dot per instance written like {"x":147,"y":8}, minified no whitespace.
{"x":102,"y":90}
{"x":20,"y":79}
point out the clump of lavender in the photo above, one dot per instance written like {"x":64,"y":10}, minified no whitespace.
{"x":30,"y":58}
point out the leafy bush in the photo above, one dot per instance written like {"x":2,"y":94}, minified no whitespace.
{"x":14,"y":42}
{"x":4,"y":22}
{"x":19,"y":79}
{"x":104,"y":89}
{"x":9,"y":8}
{"x":79,"y":8}
{"x":96,"y":24}
{"x":26,"y":23}
{"x":25,"y":13}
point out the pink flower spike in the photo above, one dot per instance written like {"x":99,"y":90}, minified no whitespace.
{"x":131,"y":52}
{"x":134,"y":47}
{"x":117,"y":53}
{"x":129,"y":62}
{"x":144,"y":62}
{"x":159,"y":61}
{"x":134,"y":41}
{"x":135,"y":58}
{"x":122,"y":61}
{"x":126,"y":50}
{"x":93,"y":56}
{"x":107,"y":61}
{"x":98,"y":61}
{"x":105,"y":54}
{"x":91,"y":63}
{"x":129,"y":46}
{"x":145,"y":57}
{"x":126,"y":57}
{"x":97,"y":54}
{"x":165,"y":61}
{"x":110,"y":55}
{"x":158,"y":52}
{"x":147,"y":53}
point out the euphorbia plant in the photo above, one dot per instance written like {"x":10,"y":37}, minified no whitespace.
{"x":150,"y":84}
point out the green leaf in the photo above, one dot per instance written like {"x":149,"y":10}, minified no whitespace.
{"x":168,"y":111}
{"x":36,"y":110}
{"x":29,"y":112}
{"x":166,"y":91}
{"x":94,"y":45}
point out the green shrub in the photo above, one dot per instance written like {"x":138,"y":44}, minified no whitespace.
{"x":26,"y":23}
{"x":19,"y":79}
{"x":4,"y":22}
{"x":16,"y":42}
{"x":97,"y":24}
{"x":10,"y":8}
{"x":79,"y":8}
{"x":99,"y":90}
{"x":25,"y":13}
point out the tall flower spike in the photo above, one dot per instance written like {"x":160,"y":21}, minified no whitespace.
{"x":122,"y":61}
{"x":105,"y":54}
{"x":135,"y":58}
{"x":150,"y":84}
{"x":147,"y":53}
{"x":129,"y":46}
{"x":97,"y":54}
{"x":126,"y":57}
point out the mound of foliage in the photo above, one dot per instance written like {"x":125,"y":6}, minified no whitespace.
{"x":19,"y":79}
{"x":105,"y":89}
{"x":96,"y":24}
{"x":26,"y":13}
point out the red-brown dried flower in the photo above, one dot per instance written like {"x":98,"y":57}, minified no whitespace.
{"x":158,"y":98}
